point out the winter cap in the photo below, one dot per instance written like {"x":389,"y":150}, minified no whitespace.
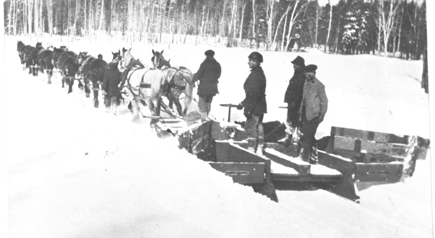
{"x":310,"y":68}
{"x":299,"y":61}
{"x":257,"y":56}
{"x":209,"y":53}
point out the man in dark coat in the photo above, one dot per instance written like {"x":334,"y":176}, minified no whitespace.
{"x":112,"y":77}
{"x":293,"y":98}
{"x":207,"y":75}
{"x":312,"y":110}
{"x":255,"y":103}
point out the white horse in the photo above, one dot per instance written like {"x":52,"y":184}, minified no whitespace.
{"x":142,"y":83}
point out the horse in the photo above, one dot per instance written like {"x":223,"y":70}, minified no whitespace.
{"x":116,"y":57}
{"x":26,"y":60}
{"x":20,"y":49}
{"x":180,"y":82}
{"x":143,"y":83}
{"x":45,"y":59}
{"x":92,"y":70}
{"x":32,"y":59}
{"x":57,"y":52}
{"x":68,"y":66}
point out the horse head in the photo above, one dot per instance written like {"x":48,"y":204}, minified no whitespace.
{"x":125,"y":58}
{"x":116,"y":56}
{"x":81,"y":57}
{"x":158,"y":60}
{"x":20,"y":45}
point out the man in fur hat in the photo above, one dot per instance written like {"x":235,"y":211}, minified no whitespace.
{"x":293,"y":98}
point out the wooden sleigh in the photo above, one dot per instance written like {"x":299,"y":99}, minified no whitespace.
{"x":351,"y":157}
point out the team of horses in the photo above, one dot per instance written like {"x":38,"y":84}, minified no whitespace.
{"x":142,"y":84}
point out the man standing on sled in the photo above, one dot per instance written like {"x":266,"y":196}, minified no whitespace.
{"x":255,"y":103}
{"x":312,"y":110}
{"x":207,"y":75}
{"x":293,"y":98}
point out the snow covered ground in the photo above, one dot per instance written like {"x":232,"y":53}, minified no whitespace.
{"x":76,"y":171}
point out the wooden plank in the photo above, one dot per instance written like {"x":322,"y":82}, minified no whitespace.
{"x":369,"y":135}
{"x":222,"y":151}
{"x":243,"y":173}
{"x":368,"y":147}
{"x":300,"y":166}
{"x":346,"y":185}
{"x":291,"y":150}
{"x":367,"y":157}
{"x":379,"y":172}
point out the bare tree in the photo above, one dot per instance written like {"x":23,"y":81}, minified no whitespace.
{"x":329,"y":25}
{"x":49,"y":4}
{"x":293,"y":17}
{"x":284,"y":16}
{"x":270,"y":20}
{"x":387,"y":18}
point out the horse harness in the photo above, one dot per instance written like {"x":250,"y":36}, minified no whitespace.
{"x":173,"y":85}
{"x":141,"y":85}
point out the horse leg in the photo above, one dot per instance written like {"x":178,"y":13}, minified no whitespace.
{"x":70,"y":85}
{"x":136,"y":110}
{"x":63,"y":81}
{"x":95,"y":89}
{"x":178,"y":105}
{"x":87,"y":90}
{"x":49,"y":74}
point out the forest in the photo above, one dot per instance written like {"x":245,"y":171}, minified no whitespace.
{"x":390,"y":28}
{"x":395,"y":27}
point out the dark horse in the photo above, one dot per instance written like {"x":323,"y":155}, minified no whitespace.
{"x":45,"y":59}
{"x":20,"y":50}
{"x":57,"y":52}
{"x":68,"y":66}
{"x":32,"y":59}
{"x":92,"y":70}
{"x":180,"y":82}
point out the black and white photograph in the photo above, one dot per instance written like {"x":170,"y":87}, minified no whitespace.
{"x":216,"y":118}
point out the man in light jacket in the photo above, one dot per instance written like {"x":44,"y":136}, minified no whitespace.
{"x":312,"y":110}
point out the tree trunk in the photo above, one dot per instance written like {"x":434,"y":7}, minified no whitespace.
{"x":29,"y":16}
{"x":270,"y":21}
{"x":253,"y":19}
{"x":36,"y":17}
{"x":241,"y":21}
{"x":425,"y":76}
{"x":9,"y":28}
{"x":283,"y":32}
{"x":400,"y":29}
{"x":76,"y":16}
{"x":85,"y":20}
{"x":101,"y":16}
{"x":222,"y":25}
{"x":330,"y":23}
{"x":292,"y":21}
{"x":284,"y":16}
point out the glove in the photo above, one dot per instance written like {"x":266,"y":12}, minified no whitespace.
{"x":240,"y":106}
{"x":248,"y":115}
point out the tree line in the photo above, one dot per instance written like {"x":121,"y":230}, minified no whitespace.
{"x":388,"y":27}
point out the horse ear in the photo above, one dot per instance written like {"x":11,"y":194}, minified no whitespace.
{"x":153,"y":52}
{"x":161,"y":52}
